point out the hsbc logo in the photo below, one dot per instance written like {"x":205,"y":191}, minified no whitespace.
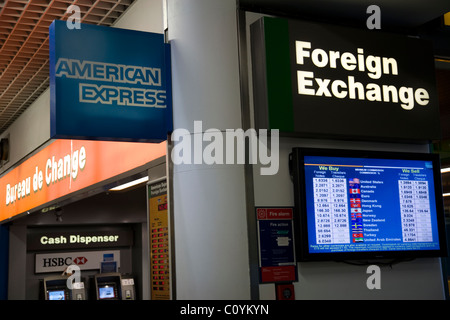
{"x":80,"y":261}
{"x":58,"y":262}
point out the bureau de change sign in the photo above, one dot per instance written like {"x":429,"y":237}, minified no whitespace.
{"x":109,"y":84}
{"x":318,"y":80}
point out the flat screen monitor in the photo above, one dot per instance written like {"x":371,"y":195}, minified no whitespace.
{"x":107,"y":292}
{"x":353,"y":205}
{"x":56,"y":294}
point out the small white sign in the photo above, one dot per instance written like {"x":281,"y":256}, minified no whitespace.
{"x":128,"y":282}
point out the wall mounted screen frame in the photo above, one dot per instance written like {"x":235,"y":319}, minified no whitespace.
{"x":382,"y":195}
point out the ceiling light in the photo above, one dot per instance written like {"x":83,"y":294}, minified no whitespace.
{"x":129,"y":184}
{"x":446,"y":194}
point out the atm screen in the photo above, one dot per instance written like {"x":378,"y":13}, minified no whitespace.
{"x":107,"y":292}
{"x":56,"y":295}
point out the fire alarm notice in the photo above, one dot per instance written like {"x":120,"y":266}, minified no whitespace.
{"x":357,"y":62}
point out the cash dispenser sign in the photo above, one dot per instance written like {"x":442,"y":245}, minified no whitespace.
{"x":329,"y":81}
{"x":109,"y":84}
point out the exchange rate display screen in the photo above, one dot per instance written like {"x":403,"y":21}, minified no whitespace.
{"x":353,"y":204}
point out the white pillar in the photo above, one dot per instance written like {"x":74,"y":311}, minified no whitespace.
{"x":211,"y":243}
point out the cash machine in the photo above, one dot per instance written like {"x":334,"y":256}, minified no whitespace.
{"x":56,"y":288}
{"x":107,"y":286}
{"x":114,"y":286}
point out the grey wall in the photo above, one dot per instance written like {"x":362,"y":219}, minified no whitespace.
{"x":29,"y":131}
{"x":209,"y":200}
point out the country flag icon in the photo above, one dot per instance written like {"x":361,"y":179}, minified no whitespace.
{"x":356,"y":226}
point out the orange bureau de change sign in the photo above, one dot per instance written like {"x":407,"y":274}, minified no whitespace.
{"x":67,"y":166}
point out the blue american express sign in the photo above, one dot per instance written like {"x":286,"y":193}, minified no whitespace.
{"x":109,"y":84}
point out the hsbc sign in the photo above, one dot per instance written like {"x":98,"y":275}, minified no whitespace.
{"x":58,"y":262}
